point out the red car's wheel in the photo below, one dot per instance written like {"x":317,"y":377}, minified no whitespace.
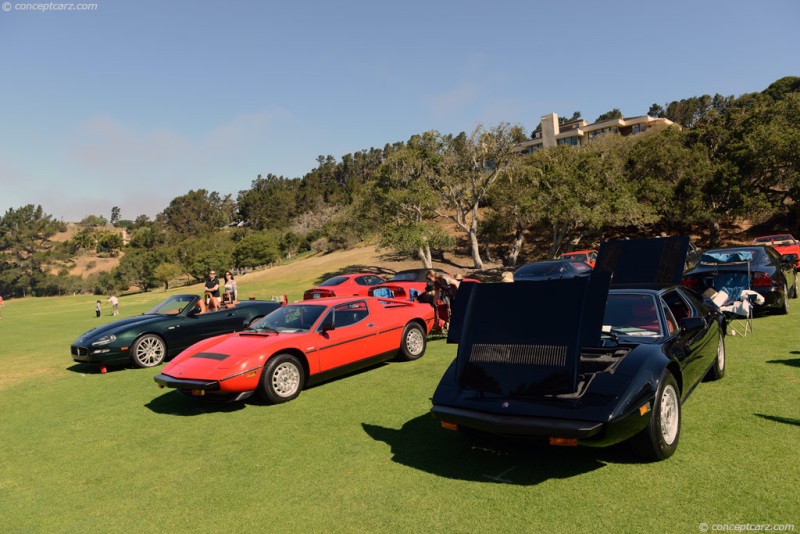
{"x":412,"y":345}
{"x":281,"y":380}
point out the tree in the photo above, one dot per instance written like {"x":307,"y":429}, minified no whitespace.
{"x":613,"y":114}
{"x":138,"y":267}
{"x":656,"y":111}
{"x":115,"y":213}
{"x":25,"y":247}
{"x":255,"y":249}
{"x":406,"y":204}
{"x":464,"y":169}
{"x":109,"y":242}
{"x":166,"y":272}
{"x":195,"y":214}
{"x":269,"y":203}
{"x":93,"y":221}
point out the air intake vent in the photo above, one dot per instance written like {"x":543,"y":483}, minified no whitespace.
{"x":549,"y":355}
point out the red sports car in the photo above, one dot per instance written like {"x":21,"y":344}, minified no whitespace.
{"x":783,"y":243}
{"x":587,"y":256}
{"x":298,"y":345}
{"x":344,"y":285}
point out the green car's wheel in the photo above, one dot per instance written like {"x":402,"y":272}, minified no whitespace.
{"x":148,"y":351}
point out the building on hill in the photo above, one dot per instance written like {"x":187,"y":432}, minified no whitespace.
{"x":581,"y":133}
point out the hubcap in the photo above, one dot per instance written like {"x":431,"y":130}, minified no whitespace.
{"x":285,"y":379}
{"x":414,"y":341}
{"x":669,"y":415}
{"x":150,"y":351}
{"x":721,"y":354}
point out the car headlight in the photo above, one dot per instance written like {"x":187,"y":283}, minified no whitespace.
{"x":105,"y":340}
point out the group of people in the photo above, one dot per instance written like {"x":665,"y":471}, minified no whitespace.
{"x":113,"y":300}
{"x":212,"y":290}
{"x":440,"y":289}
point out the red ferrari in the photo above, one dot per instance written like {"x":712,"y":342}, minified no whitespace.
{"x":783,"y":243}
{"x":344,"y":285}
{"x":300,"y":345}
{"x":589,"y":257}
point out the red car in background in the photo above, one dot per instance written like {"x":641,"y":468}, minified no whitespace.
{"x":405,"y":285}
{"x":344,"y":285}
{"x":299,"y":345}
{"x":783,"y":243}
{"x":589,"y":257}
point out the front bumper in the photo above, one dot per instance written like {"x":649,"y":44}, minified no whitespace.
{"x":102,"y":355}
{"x":186,"y":385}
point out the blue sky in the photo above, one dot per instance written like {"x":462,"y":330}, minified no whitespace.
{"x":137,"y":102}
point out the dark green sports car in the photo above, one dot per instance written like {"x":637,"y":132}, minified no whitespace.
{"x":161,"y":333}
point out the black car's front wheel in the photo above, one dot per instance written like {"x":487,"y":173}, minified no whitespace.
{"x":717,"y":370}
{"x":659,"y":440}
{"x":148,"y":351}
{"x":281,"y":380}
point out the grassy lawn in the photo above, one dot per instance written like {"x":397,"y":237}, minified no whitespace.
{"x":81,"y":451}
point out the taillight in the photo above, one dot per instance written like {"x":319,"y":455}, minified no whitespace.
{"x":692,"y":283}
{"x":318,"y":294}
{"x":759,"y":279}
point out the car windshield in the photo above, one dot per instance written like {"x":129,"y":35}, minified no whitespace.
{"x":335,"y":281}
{"x":292,"y":318}
{"x":172,"y":306}
{"x":727,"y":256}
{"x":632,"y":315}
{"x":575,"y":256}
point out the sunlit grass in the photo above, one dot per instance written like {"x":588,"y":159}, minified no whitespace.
{"x":81,"y":451}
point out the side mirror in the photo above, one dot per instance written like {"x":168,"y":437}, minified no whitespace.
{"x":327,"y":325}
{"x":692,"y":324}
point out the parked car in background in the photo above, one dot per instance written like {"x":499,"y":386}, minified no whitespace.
{"x":581,"y":361}
{"x":758,"y":268}
{"x":587,"y":256}
{"x":783,"y":243}
{"x":299,"y":345}
{"x":552,"y":270}
{"x":162,"y":332}
{"x":406,"y":284}
{"x":344,"y":285}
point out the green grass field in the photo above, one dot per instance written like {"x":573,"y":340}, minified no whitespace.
{"x":83,"y":451}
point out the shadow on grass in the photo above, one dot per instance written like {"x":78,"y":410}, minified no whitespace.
{"x":791,"y":362}
{"x":422,"y":444}
{"x":94,"y":368}
{"x":174,"y":403}
{"x":784,"y":420}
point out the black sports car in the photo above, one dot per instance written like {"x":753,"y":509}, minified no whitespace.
{"x":147,"y":340}
{"x":582,"y":361}
{"x":552,"y":270}
{"x":759,"y":268}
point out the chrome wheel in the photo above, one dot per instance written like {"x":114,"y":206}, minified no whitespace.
{"x":670,"y":415}
{"x":415,"y":342}
{"x":148,"y":351}
{"x":285,"y":379}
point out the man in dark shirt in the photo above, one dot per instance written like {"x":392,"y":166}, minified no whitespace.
{"x":212,"y":291}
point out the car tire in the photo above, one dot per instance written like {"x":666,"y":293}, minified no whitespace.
{"x":717,"y":370}
{"x":148,"y":351}
{"x":794,"y":289}
{"x":784,"y":309}
{"x":281,"y":380}
{"x":413,"y":342}
{"x":659,"y":440}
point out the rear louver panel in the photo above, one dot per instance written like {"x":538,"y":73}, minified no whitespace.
{"x":549,"y":355}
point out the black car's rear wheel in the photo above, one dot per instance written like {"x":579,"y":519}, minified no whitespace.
{"x":784,"y":309}
{"x":148,"y":351}
{"x":717,"y":370}
{"x":660,"y":439}
{"x":412,"y":345}
{"x":281,"y":380}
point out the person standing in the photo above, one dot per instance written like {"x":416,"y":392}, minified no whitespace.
{"x":212,"y":290}
{"x":97,"y":308}
{"x":114,"y":305}
{"x":2,"y":305}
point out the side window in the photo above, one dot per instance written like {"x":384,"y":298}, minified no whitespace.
{"x":350,"y":313}
{"x":677,"y":306}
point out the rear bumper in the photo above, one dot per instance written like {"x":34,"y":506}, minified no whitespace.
{"x":186,"y":385}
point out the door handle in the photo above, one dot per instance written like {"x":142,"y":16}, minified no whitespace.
{"x":370,"y":325}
